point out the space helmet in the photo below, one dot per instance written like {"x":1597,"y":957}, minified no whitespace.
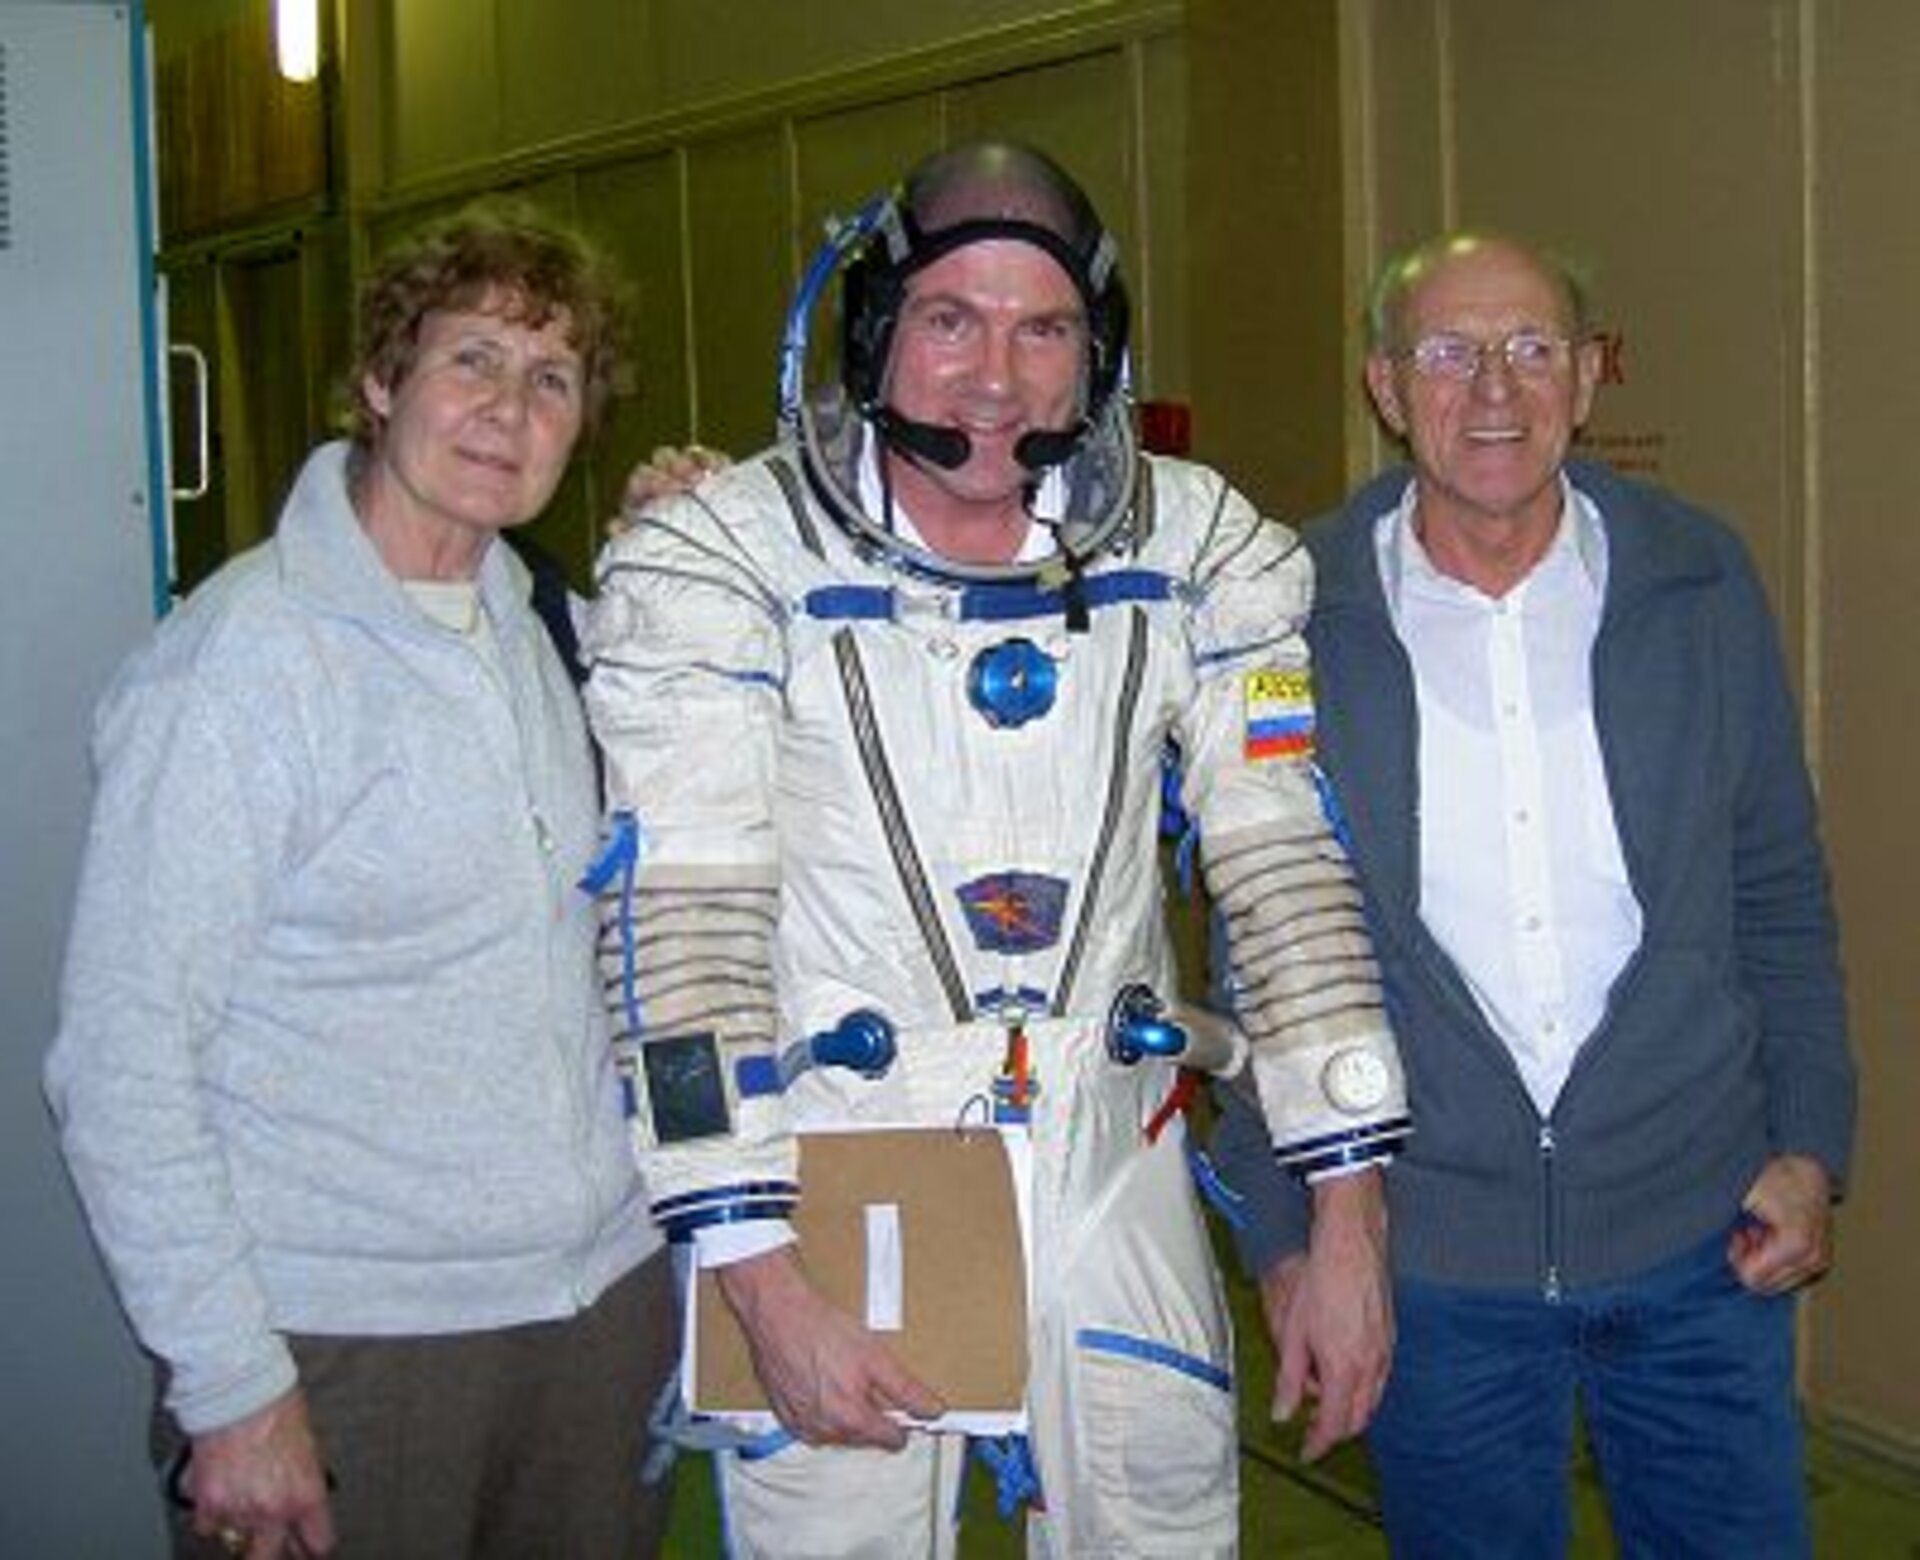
{"x":966,"y":194}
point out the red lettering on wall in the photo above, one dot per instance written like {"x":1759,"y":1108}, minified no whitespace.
{"x":1613,"y":356}
{"x":1166,"y":427}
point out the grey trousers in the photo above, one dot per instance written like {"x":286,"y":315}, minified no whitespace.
{"x":525,"y":1443}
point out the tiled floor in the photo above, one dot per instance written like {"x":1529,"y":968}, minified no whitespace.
{"x":1863,"y":1509}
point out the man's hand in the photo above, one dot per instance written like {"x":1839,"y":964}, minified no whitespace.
{"x":1786,"y":1238}
{"x":830,"y":1381}
{"x":668,"y":472}
{"x":1330,"y":1315}
{"x":257,"y":1484}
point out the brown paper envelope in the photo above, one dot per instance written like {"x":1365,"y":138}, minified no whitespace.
{"x":963,"y":1274}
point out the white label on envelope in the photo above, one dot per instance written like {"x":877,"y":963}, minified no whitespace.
{"x":886,"y":1281}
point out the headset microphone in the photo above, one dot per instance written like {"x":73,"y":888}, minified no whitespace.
{"x":1041,"y":448}
{"x":947,"y":448}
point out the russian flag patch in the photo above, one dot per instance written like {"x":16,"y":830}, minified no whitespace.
{"x":1279,"y":714}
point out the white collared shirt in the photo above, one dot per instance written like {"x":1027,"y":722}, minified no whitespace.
{"x":1522,"y":881}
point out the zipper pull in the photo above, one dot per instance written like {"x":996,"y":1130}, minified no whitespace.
{"x":1550,"y":1285}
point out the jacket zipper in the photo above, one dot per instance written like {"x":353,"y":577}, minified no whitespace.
{"x":1550,"y":1279}
{"x":1447,"y":980}
{"x":529,"y":761}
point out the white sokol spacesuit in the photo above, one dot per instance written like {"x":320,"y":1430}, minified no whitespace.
{"x":867,"y":781}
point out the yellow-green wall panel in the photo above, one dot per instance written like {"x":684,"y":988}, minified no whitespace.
{"x":740,"y":254}
{"x":633,"y":209}
{"x":587,"y":66}
{"x":443,"y":81}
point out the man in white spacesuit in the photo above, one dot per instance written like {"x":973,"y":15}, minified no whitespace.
{"x":884,"y":712}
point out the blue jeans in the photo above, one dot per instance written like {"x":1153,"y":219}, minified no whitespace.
{"x":1686,"y":1382}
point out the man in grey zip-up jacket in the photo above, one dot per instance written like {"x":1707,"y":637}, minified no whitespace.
{"x":1555,"y":715}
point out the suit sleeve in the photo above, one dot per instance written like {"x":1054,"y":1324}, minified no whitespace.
{"x":1305,"y":985}
{"x":189,"y":833}
{"x":686,"y":645}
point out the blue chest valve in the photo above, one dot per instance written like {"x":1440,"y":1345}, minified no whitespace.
{"x":862,"y":1042}
{"x":1012,"y":683}
{"x":1138,"y":1027}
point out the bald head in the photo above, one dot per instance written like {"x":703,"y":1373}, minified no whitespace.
{"x":999,"y":182}
{"x":1405,"y":272}
{"x":1482,"y":363}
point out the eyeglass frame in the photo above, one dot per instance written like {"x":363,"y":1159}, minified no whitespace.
{"x":1557,"y":348}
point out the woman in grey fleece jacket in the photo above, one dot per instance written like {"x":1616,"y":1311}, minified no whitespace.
{"x":332,"y":1073}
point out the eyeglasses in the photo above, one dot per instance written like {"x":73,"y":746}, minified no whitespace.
{"x":1528,"y":354}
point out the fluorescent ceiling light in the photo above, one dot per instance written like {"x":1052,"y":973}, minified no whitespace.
{"x":296,"y":38}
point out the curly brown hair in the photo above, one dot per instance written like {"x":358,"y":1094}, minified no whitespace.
{"x":496,"y":250}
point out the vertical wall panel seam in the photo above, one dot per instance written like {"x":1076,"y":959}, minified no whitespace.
{"x":1447,"y":88}
{"x":798,"y":242}
{"x":1813,"y":537}
{"x":499,"y":126}
{"x":1135,"y":56}
{"x":683,"y":186}
{"x":1807,"y":1316}
{"x":1360,"y":197}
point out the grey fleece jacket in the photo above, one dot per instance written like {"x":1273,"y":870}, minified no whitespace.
{"x":1724,"y":1039}
{"x":331,"y":1055}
